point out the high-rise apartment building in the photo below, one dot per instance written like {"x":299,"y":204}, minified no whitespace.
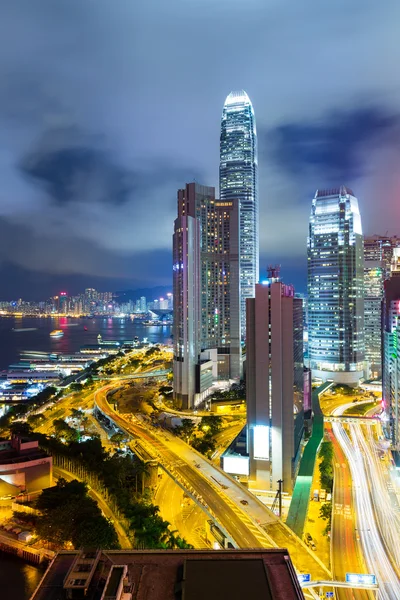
{"x":375,"y":271}
{"x":238,"y":180}
{"x":205,"y":293}
{"x":378,"y":255}
{"x":336,"y":287}
{"x":391,"y":356}
{"x":274,"y":385}
{"x":63,"y":303}
{"x":381,"y":247}
{"x":143,"y":304}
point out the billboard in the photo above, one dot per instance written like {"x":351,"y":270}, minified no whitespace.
{"x":236,"y":465}
{"x":261,"y":442}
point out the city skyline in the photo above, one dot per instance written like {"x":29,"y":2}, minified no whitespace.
{"x":118,"y":151}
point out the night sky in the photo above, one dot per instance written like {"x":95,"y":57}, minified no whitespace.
{"x":108,"y":106}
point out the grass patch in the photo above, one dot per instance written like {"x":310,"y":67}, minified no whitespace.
{"x":360,"y":409}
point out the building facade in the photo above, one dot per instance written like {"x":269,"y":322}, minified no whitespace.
{"x":375,"y":270}
{"x":24,"y":467}
{"x":336,"y":287}
{"x":206,"y":296}
{"x":391,"y":357}
{"x":378,"y":256}
{"x":274,"y":385}
{"x":238,"y":181}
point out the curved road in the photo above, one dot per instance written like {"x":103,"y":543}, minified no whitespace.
{"x":219,"y":492}
{"x":122,"y":537}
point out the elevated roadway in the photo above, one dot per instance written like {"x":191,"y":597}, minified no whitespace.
{"x":245,"y":519}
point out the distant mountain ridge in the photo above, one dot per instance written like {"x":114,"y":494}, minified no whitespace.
{"x":150,"y":294}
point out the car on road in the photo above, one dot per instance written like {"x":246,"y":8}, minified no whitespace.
{"x":309,"y":541}
{"x":244,"y":502}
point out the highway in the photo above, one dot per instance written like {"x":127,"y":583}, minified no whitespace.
{"x":384,"y":499}
{"x":183,"y":514}
{"x":346,"y":554}
{"x":376,"y":557}
{"x":238,"y":524}
{"x":221,"y":494}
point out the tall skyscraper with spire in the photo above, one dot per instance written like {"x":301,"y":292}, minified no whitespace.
{"x":238,"y":180}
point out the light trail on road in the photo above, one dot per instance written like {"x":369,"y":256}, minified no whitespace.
{"x":374,"y":551}
{"x":388,"y":519}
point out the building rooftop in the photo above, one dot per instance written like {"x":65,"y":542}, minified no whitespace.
{"x":176,"y":575}
{"x":20,"y":449}
{"x":237,"y":97}
{"x":340,"y":191}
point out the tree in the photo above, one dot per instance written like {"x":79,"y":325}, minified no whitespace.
{"x":205,"y":445}
{"x":186,"y":429}
{"x":325,"y":512}
{"x":21,"y":428}
{"x":68,"y":514}
{"x":211,"y":424}
{"x":77,"y":414}
{"x":35,"y":420}
{"x":62,"y":429}
{"x":118,"y":438}
{"x":76,"y":387}
{"x":326,"y":450}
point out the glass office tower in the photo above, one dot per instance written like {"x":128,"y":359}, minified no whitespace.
{"x":335,"y":287}
{"x":238,"y":179}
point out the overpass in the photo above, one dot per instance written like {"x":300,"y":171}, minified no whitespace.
{"x":142,"y":375}
{"x":344,"y":420}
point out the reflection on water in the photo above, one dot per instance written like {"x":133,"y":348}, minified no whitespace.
{"x":77,"y":332}
{"x":18,"y":579}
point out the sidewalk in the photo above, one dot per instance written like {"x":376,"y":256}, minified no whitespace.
{"x":315,"y":525}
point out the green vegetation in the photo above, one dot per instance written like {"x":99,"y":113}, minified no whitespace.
{"x":68,"y":514}
{"x":236,"y":392}
{"x":360,"y":409}
{"x":152,"y":351}
{"x":124,"y":479}
{"x":201,"y":436}
{"x":118,"y":438}
{"x":325,"y":513}
{"x":165,"y":390}
{"x":325,"y":466}
{"x":63,"y":430}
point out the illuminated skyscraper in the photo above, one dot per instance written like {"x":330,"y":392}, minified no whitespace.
{"x":238,"y":180}
{"x":375,"y":269}
{"x":336,"y":287}
{"x":391,"y":356}
{"x":205,"y":293}
{"x":274,"y":385}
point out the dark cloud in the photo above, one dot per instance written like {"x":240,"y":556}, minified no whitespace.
{"x":106,"y":108}
{"x":335,"y":147}
{"x":71,"y":168}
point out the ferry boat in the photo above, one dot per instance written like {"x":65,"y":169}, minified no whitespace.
{"x":57,"y":333}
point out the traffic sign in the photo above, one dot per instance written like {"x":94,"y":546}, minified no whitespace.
{"x":304,"y":577}
{"x":361,"y":578}
{"x":329,"y":594}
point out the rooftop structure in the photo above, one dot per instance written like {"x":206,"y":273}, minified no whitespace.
{"x":24,"y":466}
{"x":171,"y":575}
